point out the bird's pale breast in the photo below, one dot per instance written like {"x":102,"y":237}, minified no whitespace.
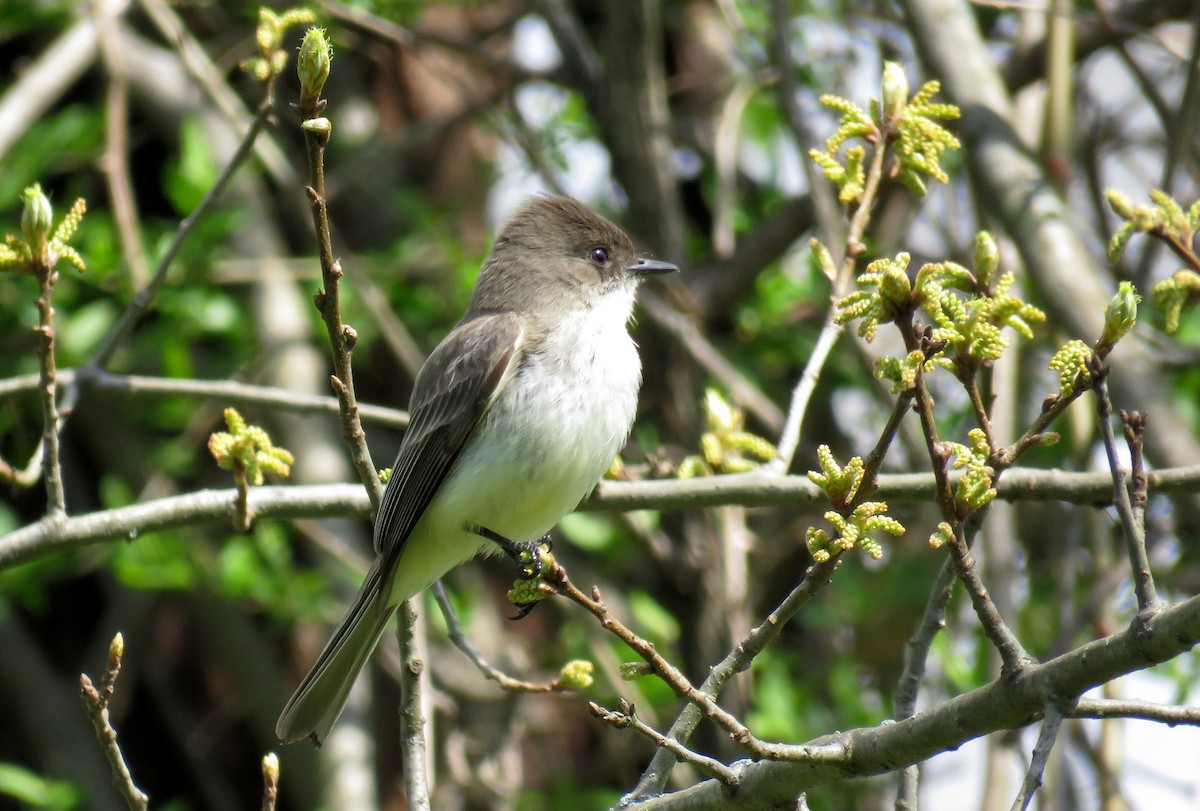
{"x":540,"y":448}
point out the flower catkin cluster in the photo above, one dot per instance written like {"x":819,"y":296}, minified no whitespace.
{"x":911,"y":124}
{"x":726,"y":447}
{"x":248,"y":450}
{"x":42,"y":248}
{"x":268,"y":37}
{"x":858,"y":529}
{"x":968,"y":309}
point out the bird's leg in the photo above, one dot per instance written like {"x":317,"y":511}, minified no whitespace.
{"x":528,"y":556}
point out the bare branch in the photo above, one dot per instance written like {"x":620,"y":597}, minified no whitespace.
{"x":96,"y":702}
{"x":459,"y":639}
{"x":1047,"y":736}
{"x":1002,"y":704}
{"x":625,"y":717}
{"x":749,"y":489}
{"x":1134,"y":529}
{"x":1169,"y":714}
{"x":228,"y":391}
{"x":412,"y":718}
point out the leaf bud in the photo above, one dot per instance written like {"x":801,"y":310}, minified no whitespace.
{"x":313,"y":64}
{"x":894,"y":95}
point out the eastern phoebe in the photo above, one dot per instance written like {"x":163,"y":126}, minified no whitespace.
{"x":515,"y":416}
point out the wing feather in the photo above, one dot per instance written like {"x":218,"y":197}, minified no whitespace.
{"x":452,"y":392}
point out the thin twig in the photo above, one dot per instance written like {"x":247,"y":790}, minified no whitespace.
{"x":1134,"y":530}
{"x":96,"y":702}
{"x":1051,"y":723}
{"x":41,"y":83}
{"x":56,"y":504}
{"x":655,"y":776}
{"x":625,"y":717}
{"x":459,"y":639}
{"x":1134,"y":427}
{"x":789,"y":438}
{"x":916,"y":654}
{"x":328,"y":300}
{"x":212,"y":78}
{"x":145,"y":297}
{"x":228,"y":391}
{"x":1169,"y":714}
{"x":412,"y":718}
{"x":115,"y":161}
{"x":555,"y":577}
{"x":1013,"y":655}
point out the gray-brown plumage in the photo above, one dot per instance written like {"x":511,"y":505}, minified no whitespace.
{"x":514,"y":417}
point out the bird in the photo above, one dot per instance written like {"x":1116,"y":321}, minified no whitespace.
{"x":514,"y":418}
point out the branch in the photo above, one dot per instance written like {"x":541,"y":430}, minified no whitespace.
{"x":1047,"y":737}
{"x":1133,"y":528}
{"x":96,"y":702}
{"x":228,"y":391}
{"x":747,"y":489}
{"x":412,"y":719}
{"x":1169,"y":714}
{"x":1002,"y":704}
{"x":625,"y":717}
{"x":342,"y":337}
{"x":204,"y":506}
{"x":56,"y":505}
{"x":459,"y":639}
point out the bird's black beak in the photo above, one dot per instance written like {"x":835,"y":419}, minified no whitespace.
{"x":650,"y":267}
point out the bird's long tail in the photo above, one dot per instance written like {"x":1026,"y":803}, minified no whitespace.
{"x":320,"y":698}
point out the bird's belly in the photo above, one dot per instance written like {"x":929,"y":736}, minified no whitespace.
{"x":539,"y":449}
{"x":543,"y":446}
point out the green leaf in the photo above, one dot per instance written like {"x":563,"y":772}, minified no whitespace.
{"x":591,"y":533}
{"x":195,"y":171}
{"x":654,"y":621}
{"x":37,"y":791}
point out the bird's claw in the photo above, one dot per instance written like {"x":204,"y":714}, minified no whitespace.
{"x":528,"y":556}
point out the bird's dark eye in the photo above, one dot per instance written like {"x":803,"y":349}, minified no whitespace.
{"x":599,"y":255}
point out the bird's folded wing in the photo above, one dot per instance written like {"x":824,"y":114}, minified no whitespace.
{"x":452,"y":392}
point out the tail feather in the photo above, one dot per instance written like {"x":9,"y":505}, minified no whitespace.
{"x":320,"y":698}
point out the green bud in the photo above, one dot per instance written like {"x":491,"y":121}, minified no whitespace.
{"x":987,"y":258}
{"x":313,"y":64}
{"x":37,"y":218}
{"x":1121,"y":314}
{"x":576,"y":675}
{"x":631,"y":671}
{"x":894,"y":95}
{"x":270,"y":768}
{"x":320,"y":126}
{"x":1120,"y":204}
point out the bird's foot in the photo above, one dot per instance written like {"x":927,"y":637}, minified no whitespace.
{"x":526,"y":592}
